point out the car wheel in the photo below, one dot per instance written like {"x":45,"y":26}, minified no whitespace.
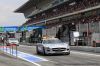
{"x":37,"y":50}
{"x":43,"y":51}
{"x":68,"y":53}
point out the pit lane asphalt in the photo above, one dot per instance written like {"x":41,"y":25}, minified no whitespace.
{"x":76,"y":58}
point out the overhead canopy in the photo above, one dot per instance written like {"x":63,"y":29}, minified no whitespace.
{"x":29,"y":28}
{"x":9,"y":29}
{"x":1,"y":29}
{"x":16,"y":28}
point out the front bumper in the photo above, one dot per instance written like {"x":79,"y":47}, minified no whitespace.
{"x":57,"y":52}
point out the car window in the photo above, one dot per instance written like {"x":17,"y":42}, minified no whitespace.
{"x":13,"y":39}
{"x":51,"y":41}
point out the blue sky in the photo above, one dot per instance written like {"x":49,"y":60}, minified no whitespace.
{"x":7,"y":15}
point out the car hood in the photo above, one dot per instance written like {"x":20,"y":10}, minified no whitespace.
{"x":62,"y":45}
{"x":13,"y":42}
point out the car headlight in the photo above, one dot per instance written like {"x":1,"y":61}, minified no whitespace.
{"x":47,"y":48}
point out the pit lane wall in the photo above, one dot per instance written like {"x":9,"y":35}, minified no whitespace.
{"x":86,"y":48}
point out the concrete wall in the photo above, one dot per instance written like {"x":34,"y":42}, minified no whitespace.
{"x":86,"y":48}
{"x":96,"y":37}
{"x":17,"y":35}
{"x":94,"y":27}
{"x":51,"y":31}
{"x":28,"y":34}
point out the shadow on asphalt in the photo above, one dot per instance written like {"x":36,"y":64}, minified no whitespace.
{"x":52,"y":54}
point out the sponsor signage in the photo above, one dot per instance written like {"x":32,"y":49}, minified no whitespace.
{"x":16,"y":28}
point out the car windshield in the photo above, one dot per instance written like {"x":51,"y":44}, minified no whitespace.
{"x":51,"y":41}
{"x":13,"y":39}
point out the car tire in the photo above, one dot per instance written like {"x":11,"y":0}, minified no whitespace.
{"x":43,"y":51}
{"x":37,"y":50}
{"x":68,"y":53}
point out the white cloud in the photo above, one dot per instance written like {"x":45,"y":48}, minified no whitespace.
{"x":7,"y":15}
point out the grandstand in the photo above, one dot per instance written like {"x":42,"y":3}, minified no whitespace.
{"x":63,"y":17}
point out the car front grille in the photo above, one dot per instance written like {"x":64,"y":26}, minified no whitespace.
{"x":58,"y":49}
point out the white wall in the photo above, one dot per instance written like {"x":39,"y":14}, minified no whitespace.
{"x":28,"y":34}
{"x":18,"y":35}
{"x":94,"y":27}
{"x":51,"y":31}
{"x":96,"y":37}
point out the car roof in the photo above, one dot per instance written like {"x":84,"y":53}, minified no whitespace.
{"x":50,"y":39}
{"x":11,"y":38}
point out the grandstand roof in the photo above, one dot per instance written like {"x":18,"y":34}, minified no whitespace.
{"x":27,"y":5}
{"x":32,"y":3}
